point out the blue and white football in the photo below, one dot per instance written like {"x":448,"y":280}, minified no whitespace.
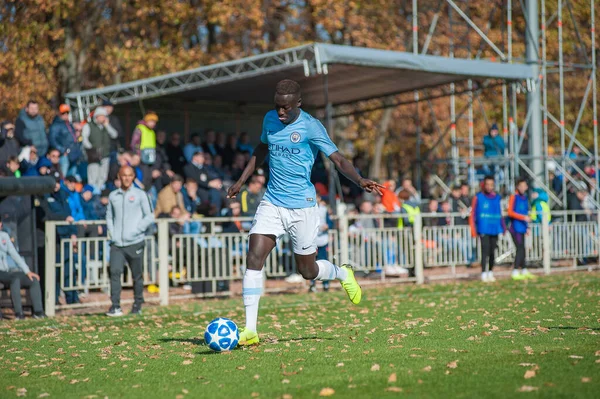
{"x":221,"y":335}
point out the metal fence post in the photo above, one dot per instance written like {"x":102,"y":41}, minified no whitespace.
{"x":163,"y":261}
{"x":546,"y":242}
{"x":343,"y":236}
{"x":418,"y":232}
{"x":50,"y":269}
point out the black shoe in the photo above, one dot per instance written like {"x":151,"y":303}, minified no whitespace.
{"x":39,"y":315}
{"x":136,"y":309}
{"x":19,"y":316}
{"x":115,"y":311}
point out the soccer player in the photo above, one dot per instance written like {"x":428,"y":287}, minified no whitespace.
{"x":292,"y":138}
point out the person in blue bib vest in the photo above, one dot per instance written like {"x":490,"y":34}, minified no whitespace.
{"x":518,"y":214}
{"x":487,"y":223}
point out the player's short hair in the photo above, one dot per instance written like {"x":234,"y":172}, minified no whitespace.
{"x":489,"y":177}
{"x":521,"y":180}
{"x":287,"y":86}
{"x":31,"y":101}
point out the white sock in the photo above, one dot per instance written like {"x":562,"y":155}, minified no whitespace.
{"x":252,"y":287}
{"x":328,"y":271}
{"x":524,"y":271}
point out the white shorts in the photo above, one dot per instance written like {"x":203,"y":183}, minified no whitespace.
{"x":302,"y":225}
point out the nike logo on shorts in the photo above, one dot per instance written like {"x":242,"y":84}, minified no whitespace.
{"x":305,"y":248}
{"x":139,"y":251}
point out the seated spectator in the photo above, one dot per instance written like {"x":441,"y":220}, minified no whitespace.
{"x":244,"y":143}
{"x":29,"y":159}
{"x":493,"y":143}
{"x":13,"y":167}
{"x":211,"y":167}
{"x":73,"y":198}
{"x":221,"y":143}
{"x":192,"y":204}
{"x":433,"y":220}
{"x":17,"y":279}
{"x":230,"y":150}
{"x":210,"y":143}
{"x":234,"y":226}
{"x":251,"y":196}
{"x":388,"y":199}
{"x":193,"y":147}
{"x":539,"y":206}
{"x":238,"y":166}
{"x":210,"y":185}
{"x":408,"y":210}
{"x":93,"y":209}
{"x":446,"y":210}
{"x":170,"y":197}
{"x":9,"y":145}
{"x":458,"y":206}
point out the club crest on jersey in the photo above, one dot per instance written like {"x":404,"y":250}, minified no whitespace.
{"x":131,"y":199}
{"x":295,"y":137}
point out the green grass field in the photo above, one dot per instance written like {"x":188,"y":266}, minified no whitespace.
{"x":535,"y":338}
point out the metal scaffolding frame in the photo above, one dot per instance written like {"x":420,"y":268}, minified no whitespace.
{"x":539,"y":114}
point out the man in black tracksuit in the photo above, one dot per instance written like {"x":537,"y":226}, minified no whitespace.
{"x":128,"y":216}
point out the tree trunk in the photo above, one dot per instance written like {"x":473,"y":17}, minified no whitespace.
{"x":375,"y":171}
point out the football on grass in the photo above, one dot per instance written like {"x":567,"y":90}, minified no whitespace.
{"x":221,"y":335}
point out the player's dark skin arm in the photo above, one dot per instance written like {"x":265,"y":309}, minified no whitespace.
{"x":348,"y":170}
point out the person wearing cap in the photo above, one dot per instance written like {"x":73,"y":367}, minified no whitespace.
{"x":97,"y":136}
{"x":143,"y":141}
{"x":9,"y":145}
{"x":64,"y":138}
{"x":17,"y":279}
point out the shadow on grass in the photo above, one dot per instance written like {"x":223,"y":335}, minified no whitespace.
{"x":575,"y":328}
{"x":313,"y":338}
{"x":193,"y":341}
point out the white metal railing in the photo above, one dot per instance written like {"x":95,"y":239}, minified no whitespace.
{"x":371,"y":243}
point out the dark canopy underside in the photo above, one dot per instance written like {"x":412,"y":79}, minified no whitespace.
{"x":353,"y":73}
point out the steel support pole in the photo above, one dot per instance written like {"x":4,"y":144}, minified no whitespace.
{"x":415,"y":29}
{"x":544,"y":78}
{"x":471,"y":170}
{"x":533,"y":99}
{"x":329,"y":125}
{"x":562,"y":102}
{"x":594,"y":94}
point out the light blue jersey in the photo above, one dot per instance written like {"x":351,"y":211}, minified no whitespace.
{"x":293,"y":149}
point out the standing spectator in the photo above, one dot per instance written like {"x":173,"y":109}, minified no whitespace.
{"x":24,"y":278}
{"x":234,"y":226}
{"x":170,"y":197}
{"x":460,"y":203}
{"x":210,"y":143}
{"x":433,"y":221}
{"x":229,"y":150}
{"x":143,"y":141}
{"x":30,"y":129}
{"x":388,"y":198}
{"x":209,"y":184}
{"x":192,"y":147}
{"x":93,"y":209}
{"x":486,"y":222}
{"x":465,"y":195}
{"x":251,"y":196}
{"x":113,"y":120}
{"x":191,"y":202}
{"x":518,"y":214}
{"x":9,"y":145}
{"x":407,"y":186}
{"x":63,"y":137}
{"x":53,"y":156}
{"x":73,"y":198}
{"x":458,"y":206}
{"x":97,"y":137}
{"x":128,"y":216}
{"x":539,"y":206}
{"x":29,"y":159}
{"x":408,"y":210}
{"x":175,"y":155}
{"x":161,"y":147}
{"x":221,"y":143}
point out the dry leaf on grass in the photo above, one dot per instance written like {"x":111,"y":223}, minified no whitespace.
{"x":326,"y":392}
{"x":527,"y":388}
{"x":286,"y":396}
{"x":340,"y":364}
{"x":392,"y":378}
{"x":586,"y":379}
{"x":44,"y":395}
{"x":187,"y":362}
{"x":393,"y":389}
{"x":427,"y":368}
{"x":255,"y":394}
{"x":22,"y":392}
{"x":375,"y":367}
{"x":452,"y":365}
{"x":529,"y":374}
{"x":576,"y":357}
